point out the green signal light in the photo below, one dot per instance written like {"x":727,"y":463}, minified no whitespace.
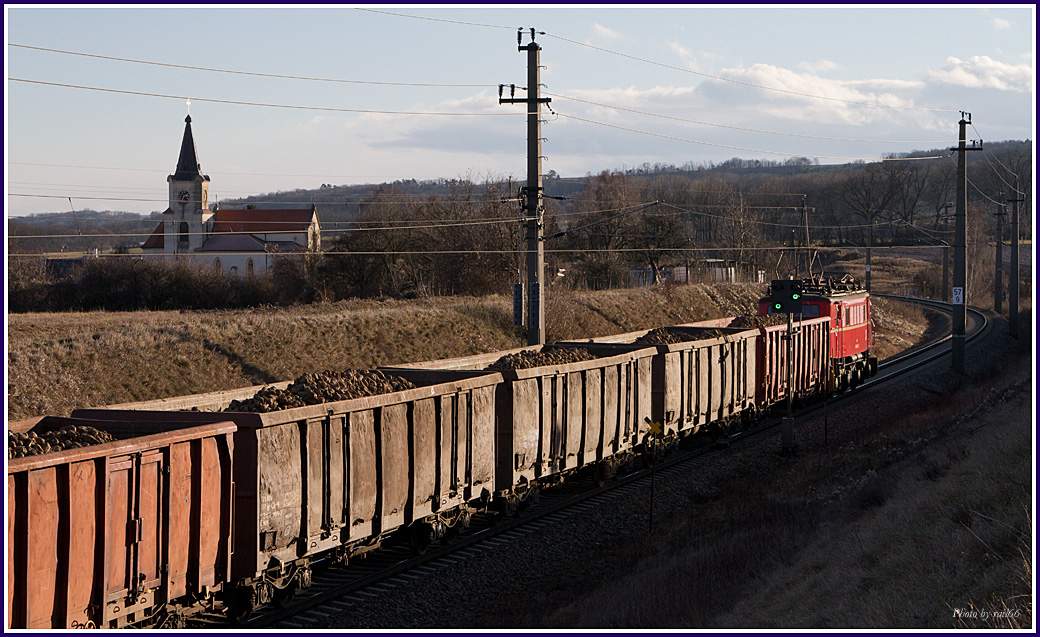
{"x":796,"y":296}
{"x":777,"y":306}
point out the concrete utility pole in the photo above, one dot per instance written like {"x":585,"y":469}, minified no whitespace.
{"x":532,"y":193}
{"x":870,"y":243}
{"x":998,"y":283}
{"x":960,"y":244}
{"x":946,"y":258}
{"x":1013,"y":279}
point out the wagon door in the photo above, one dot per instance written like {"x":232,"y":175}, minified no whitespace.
{"x":134,"y":516}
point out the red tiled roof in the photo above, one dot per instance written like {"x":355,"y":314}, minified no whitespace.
{"x":232,"y":243}
{"x":262,"y":221}
{"x":155,"y":240}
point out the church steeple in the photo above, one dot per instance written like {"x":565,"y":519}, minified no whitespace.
{"x":188,"y":163}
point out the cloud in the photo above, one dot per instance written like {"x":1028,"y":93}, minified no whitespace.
{"x":789,"y":100}
{"x":816,"y":67}
{"x":1000,"y":24}
{"x":981,"y":71}
{"x":608,"y":33}
{"x":692,"y":60}
{"x":684,"y":54}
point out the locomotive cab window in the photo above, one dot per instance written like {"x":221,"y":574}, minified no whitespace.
{"x":810,"y":311}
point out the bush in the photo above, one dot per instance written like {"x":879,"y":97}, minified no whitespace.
{"x":127,"y":284}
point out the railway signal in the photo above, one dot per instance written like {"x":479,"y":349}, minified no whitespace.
{"x":785,"y":297}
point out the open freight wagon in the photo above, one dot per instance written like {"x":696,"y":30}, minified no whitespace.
{"x":331,"y":480}
{"x":554,"y":419}
{"x":703,"y":379}
{"x":109,"y":535}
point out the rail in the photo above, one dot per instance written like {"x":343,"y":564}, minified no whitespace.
{"x":337,"y":588}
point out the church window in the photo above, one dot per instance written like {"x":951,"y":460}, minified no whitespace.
{"x":183,"y":239}
{"x":216,"y":263}
{"x":249,"y":265}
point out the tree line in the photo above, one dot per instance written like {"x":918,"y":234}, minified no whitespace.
{"x":466,"y":238}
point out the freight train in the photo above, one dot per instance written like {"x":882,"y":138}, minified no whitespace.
{"x":192,"y":507}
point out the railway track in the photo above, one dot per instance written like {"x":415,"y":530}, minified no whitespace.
{"x":336,"y":589}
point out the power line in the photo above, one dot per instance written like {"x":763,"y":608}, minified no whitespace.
{"x":749,"y":84}
{"x":740,"y":148}
{"x":428,"y":84}
{"x":672,"y":67}
{"x":245,"y":103}
{"x":419,"y":17}
{"x":471,"y":252}
{"x":251,"y":73}
{"x":744,"y":129}
{"x":222,"y":172}
{"x":425,"y":226}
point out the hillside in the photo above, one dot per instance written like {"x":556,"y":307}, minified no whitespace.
{"x":62,"y":361}
{"x":339,"y":204}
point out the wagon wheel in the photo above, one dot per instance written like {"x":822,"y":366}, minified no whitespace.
{"x":529,"y":501}
{"x":171,"y":621}
{"x":283,"y":597}
{"x":420,"y":536}
{"x":242,"y":604}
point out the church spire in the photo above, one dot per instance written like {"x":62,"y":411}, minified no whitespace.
{"x":188,"y":162}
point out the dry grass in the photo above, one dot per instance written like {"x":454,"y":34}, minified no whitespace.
{"x":924,"y":523}
{"x":62,"y":361}
{"x":944,"y":530}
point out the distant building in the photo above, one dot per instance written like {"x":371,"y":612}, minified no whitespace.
{"x":239,"y":241}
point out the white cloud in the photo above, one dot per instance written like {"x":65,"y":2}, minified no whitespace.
{"x":842,"y":103}
{"x":818,"y":66}
{"x":981,"y":71}
{"x":678,"y":49}
{"x":608,"y":33}
{"x":1000,"y":24}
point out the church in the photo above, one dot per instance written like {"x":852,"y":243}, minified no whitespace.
{"x":238,"y":241}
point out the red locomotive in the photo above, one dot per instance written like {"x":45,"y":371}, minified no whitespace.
{"x":851,"y":340}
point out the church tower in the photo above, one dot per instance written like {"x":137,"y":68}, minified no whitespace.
{"x":188,"y":218}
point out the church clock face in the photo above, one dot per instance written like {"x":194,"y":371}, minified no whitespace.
{"x":184,"y":195}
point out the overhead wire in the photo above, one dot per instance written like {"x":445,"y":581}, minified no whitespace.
{"x":427,"y":226}
{"x":670,"y":66}
{"x":509,"y":252}
{"x":222,"y":172}
{"x":327,"y":109}
{"x":740,"y":148}
{"x":749,"y":84}
{"x":446,"y":85}
{"x":741,"y":128}
{"x":252,"y":73}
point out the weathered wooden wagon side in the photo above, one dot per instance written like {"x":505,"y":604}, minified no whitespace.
{"x":118,"y":533}
{"x":703,"y":382}
{"x":556,"y":419}
{"x":331,"y":479}
{"x":811,"y":360}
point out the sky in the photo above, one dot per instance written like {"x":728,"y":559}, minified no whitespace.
{"x":411,"y":91}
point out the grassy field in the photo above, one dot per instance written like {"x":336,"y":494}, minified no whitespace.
{"x":62,"y":361}
{"x":916,"y":514}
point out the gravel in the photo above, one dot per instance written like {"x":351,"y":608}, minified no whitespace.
{"x":529,"y":359}
{"x":753,"y":320}
{"x":322,"y":387}
{"x":669,"y":336}
{"x":31,"y":443}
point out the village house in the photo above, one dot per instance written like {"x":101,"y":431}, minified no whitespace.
{"x":238,"y":241}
